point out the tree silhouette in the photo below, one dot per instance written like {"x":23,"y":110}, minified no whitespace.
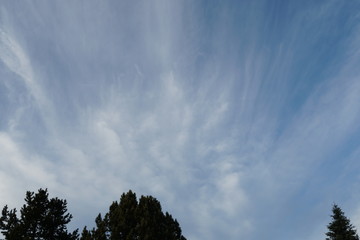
{"x":40,"y":218}
{"x":130,"y":219}
{"x":340,"y":228}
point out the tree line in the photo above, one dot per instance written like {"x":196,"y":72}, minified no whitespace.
{"x":42,"y":218}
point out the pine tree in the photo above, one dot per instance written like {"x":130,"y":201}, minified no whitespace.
{"x":151,"y":219}
{"x":122,"y":217}
{"x":100,"y":232}
{"x":131,"y":219}
{"x":10,"y":224}
{"x":40,"y":218}
{"x":86,"y":234}
{"x":340,"y":228}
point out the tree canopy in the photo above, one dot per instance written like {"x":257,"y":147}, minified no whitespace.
{"x":340,"y":227}
{"x":40,"y":218}
{"x":130,"y":219}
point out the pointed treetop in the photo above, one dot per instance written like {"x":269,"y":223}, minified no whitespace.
{"x":340,"y":227}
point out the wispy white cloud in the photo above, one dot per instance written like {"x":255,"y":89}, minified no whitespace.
{"x":14,"y":57}
{"x":224,"y":127}
{"x":20,"y":171}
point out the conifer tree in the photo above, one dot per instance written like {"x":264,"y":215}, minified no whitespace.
{"x":122,"y":217}
{"x":340,"y":228}
{"x":131,"y":219}
{"x":86,"y":234}
{"x":40,"y":218}
{"x":101,"y":230}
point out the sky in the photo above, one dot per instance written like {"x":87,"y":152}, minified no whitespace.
{"x":241,"y":117}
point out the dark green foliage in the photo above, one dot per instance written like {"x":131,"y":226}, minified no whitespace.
{"x":10,"y":224}
{"x":133,"y":220}
{"x":100,"y":232}
{"x":122,"y":217}
{"x":40,"y":218}
{"x":340,"y":227}
{"x":172,"y":228}
{"x":86,"y":234}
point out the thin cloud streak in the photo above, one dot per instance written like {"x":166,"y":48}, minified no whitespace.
{"x":16,"y":60}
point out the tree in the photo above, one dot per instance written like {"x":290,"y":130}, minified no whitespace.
{"x":130,"y":219}
{"x":41,"y":218}
{"x":86,"y":234}
{"x":122,"y":219}
{"x":100,"y":232}
{"x":10,"y":224}
{"x":340,"y":228}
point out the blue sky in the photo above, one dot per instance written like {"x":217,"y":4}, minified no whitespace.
{"x":241,"y":117}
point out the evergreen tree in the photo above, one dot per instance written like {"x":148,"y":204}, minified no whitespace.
{"x":40,"y":218}
{"x":171,"y":228}
{"x":10,"y":224}
{"x":100,"y":232}
{"x":340,"y":228}
{"x":130,"y":219}
{"x":122,"y":217}
{"x":86,"y":234}
{"x":151,"y":220}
